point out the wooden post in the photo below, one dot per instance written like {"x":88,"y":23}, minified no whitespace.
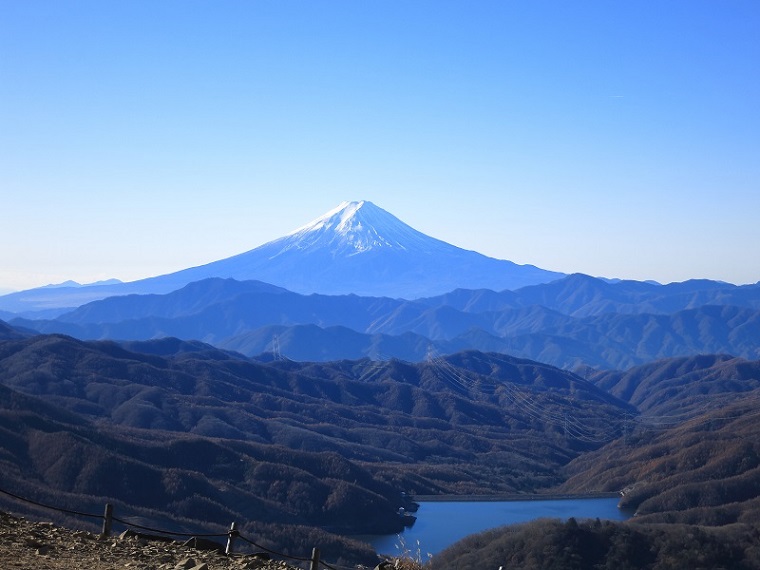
{"x":107,"y":521}
{"x":314,"y":559}
{"x":231,"y":536}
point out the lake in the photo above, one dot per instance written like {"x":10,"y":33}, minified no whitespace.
{"x":442,"y":523}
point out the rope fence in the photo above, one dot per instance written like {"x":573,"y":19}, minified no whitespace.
{"x":44,"y":506}
{"x":232,"y":534}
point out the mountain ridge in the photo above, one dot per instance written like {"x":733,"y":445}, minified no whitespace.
{"x":592,"y":326}
{"x":356,"y":248}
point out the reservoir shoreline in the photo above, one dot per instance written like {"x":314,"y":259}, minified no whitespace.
{"x":441,"y":520}
{"x":511,"y":497}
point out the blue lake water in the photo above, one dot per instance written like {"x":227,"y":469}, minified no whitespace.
{"x":442,"y":523}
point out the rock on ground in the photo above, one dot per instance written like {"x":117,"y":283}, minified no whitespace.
{"x":43,"y":546}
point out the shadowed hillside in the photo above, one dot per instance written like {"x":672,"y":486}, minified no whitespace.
{"x":679,"y":388}
{"x":7,"y":332}
{"x":703,"y":471}
{"x":571,"y":545}
{"x":212,"y":436}
{"x":692,"y":454}
{"x":183,"y":429}
{"x":185,"y":483}
{"x":690,"y":459}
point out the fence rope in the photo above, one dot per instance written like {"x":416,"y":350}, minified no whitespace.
{"x":288,"y":556}
{"x":149,"y":529}
{"x":160,"y":531}
{"x":280,"y":554}
{"x":43,"y":505}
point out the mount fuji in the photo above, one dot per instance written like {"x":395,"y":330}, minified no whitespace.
{"x":355,"y":248}
{"x":360,"y":248}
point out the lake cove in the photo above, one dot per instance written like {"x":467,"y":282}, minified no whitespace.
{"x":441,"y":523}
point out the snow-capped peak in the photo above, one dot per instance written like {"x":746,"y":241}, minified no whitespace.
{"x":339,"y":218}
{"x":356,"y":227}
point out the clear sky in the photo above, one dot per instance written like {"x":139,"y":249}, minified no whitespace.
{"x":618,"y":139}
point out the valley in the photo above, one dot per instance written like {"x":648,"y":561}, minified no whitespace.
{"x":213,"y":436}
{"x":311,"y":417}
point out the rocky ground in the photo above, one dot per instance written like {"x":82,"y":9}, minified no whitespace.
{"x":43,"y":546}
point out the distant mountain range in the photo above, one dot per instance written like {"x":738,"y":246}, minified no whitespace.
{"x":357,"y":282}
{"x":575,"y":322}
{"x":356,"y":248}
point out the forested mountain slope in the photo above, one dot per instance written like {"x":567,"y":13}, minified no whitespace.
{"x":184,"y":429}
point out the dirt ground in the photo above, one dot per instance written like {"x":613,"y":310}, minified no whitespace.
{"x":38,"y":545}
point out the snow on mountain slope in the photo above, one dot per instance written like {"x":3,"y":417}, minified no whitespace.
{"x":355,"y":248}
{"x":358,"y":227}
{"x":360,"y":248}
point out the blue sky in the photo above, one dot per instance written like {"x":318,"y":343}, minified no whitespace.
{"x":618,"y":139}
